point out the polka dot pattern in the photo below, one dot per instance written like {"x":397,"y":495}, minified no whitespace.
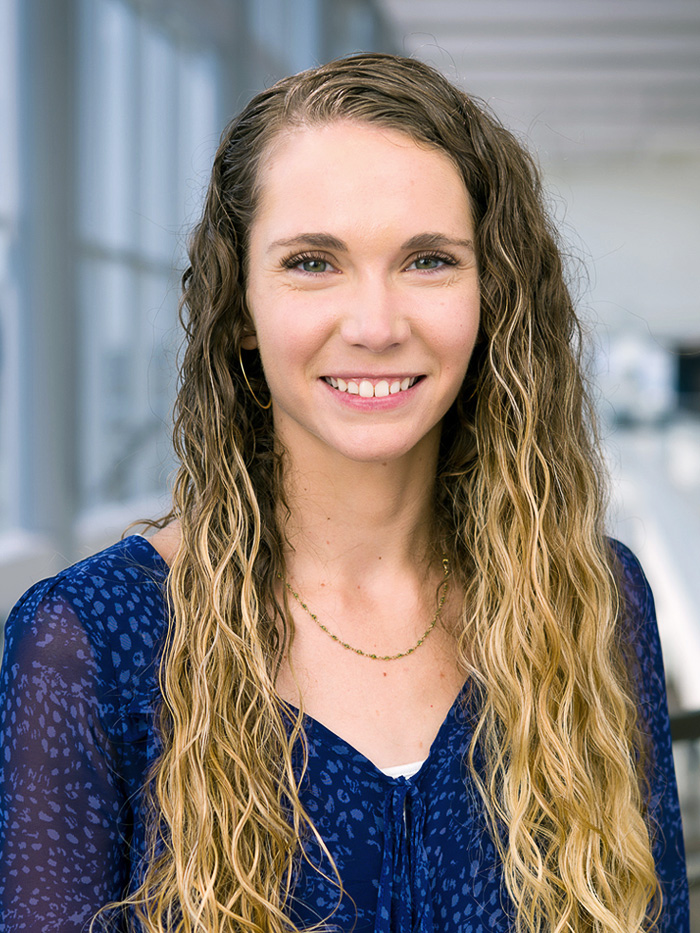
{"x":78,"y":695}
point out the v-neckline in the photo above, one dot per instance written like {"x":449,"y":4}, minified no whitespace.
{"x":331,"y":738}
{"x":325,"y":732}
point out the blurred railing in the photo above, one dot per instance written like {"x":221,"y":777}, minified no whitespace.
{"x":685,"y":732}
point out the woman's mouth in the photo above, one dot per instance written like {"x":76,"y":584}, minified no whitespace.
{"x":372,"y":388}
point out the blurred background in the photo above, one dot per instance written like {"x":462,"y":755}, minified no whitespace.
{"x":110,"y":112}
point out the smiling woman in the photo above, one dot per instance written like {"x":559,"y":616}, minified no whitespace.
{"x":382,"y":291}
{"x":380,"y":668}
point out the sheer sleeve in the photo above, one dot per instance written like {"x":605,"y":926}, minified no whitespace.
{"x":64,"y":827}
{"x":664,"y":808}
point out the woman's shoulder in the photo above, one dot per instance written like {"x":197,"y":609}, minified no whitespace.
{"x":104,"y":615}
{"x":638,"y":628}
{"x":631,"y":576}
{"x":119,"y":581}
{"x":638,"y":612}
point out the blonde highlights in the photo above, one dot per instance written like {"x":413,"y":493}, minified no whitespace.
{"x":520,"y":503}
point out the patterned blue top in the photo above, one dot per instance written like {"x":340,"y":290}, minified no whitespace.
{"x":79,"y":690}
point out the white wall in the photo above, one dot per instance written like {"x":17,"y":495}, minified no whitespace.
{"x":637,"y":225}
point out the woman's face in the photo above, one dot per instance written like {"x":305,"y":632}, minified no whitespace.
{"x":363,"y":290}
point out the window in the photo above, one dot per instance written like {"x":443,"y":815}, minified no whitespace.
{"x":148,"y":132}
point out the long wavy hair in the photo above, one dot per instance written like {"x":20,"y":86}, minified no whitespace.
{"x":520,"y":502}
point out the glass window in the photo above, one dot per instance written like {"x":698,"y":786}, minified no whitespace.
{"x":108,"y":150}
{"x":290,"y":36}
{"x":157,"y":167}
{"x":199,"y":130}
{"x":148,"y":133}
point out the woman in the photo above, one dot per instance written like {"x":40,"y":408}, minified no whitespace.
{"x":404,"y":682}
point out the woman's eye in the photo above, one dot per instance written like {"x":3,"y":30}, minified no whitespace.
{"x":428,"y":263}
{"x":313,"y":265}
{"x":308,"y":264}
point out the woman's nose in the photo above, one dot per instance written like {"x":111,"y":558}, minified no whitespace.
{"x":375,"y":317}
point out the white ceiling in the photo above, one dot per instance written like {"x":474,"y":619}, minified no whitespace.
{"x":578,"y":77}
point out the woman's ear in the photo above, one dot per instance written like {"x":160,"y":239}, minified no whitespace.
{"x":249,"y":342}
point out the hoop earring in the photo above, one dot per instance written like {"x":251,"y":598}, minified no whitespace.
{"x":250,"y":388}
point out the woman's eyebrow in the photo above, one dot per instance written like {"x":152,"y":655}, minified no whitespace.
{"x":433,"y":240}
{"x":321,"y":240}
{"x":328,"y":241}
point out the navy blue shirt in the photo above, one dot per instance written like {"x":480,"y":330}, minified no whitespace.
{"x":78,"y":703}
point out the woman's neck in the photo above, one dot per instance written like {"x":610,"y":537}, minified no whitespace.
{"x":359,"y":519}
{"x":347,"y":519}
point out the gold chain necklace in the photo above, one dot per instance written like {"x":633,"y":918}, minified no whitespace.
{"x":366,"y":654}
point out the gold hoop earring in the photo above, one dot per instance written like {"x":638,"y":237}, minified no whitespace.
{"x":250,"y":388}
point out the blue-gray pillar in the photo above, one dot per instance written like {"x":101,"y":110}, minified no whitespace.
{"x":49,"y":334}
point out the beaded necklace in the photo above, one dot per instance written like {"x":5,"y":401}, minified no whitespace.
{"x":367,"y":654}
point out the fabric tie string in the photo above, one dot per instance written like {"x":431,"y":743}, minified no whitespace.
{"x":405,"y":903}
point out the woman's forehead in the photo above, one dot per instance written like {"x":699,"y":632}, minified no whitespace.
{"x":346,"y":172}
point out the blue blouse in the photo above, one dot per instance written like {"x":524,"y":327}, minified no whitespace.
{"x":78,"y":696}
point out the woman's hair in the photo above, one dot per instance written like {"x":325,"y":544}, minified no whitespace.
{"x":520,"y":503}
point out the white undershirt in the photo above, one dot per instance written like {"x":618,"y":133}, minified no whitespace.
{"x":406,"y":771}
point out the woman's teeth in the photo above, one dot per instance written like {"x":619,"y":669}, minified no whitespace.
{"x":365,"y":389}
